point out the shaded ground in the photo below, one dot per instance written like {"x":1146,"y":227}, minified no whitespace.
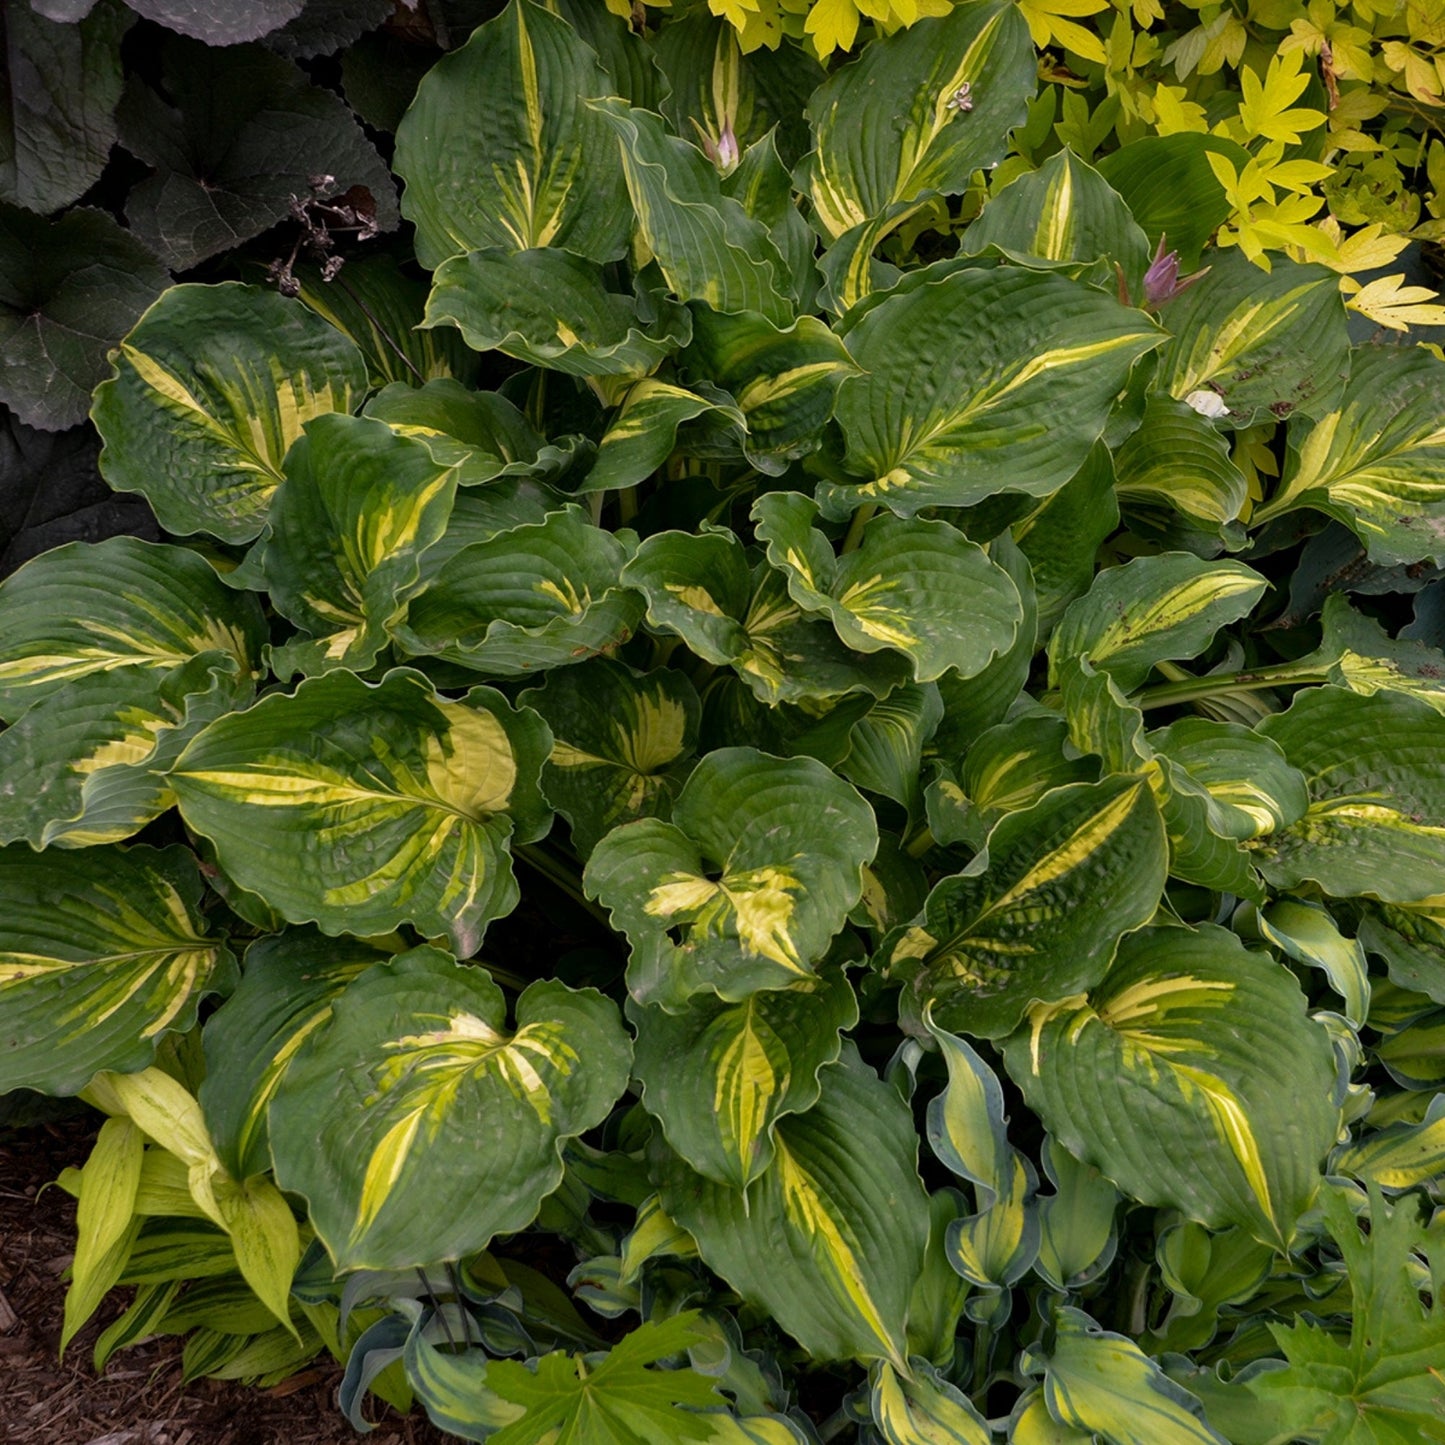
{"x":141,"y":1400}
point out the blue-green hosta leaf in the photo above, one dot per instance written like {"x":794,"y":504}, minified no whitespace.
{"x":762,"y":186}
{"x":479,"y":432}
{"x":830,"y":1239}
{"x":1411,"y":940}
{"x":360,"y":806}
{"x":342,"y":551}
{"x":705,"y":243}
{"x":720,"y":1075}
{"x":1212,"y":1045}
{"x":1272,"y":344}
{"x":700,"y":587}
{"x":643,"y":433}
{"x":747,"y":884}
{"x":922,"y":1408}
{"x":288,"y":983}
{"x":622,"y":744}
{"x":1177,"y":460}
{"x":461,"y":1135}
{"x":536,"y":597}
{"x":885,"y":745}
{"x":916,"y":587}
{"x":1065,"y":880}
{"x":553,"y":310}
{"x":1399,"y":1156}
{"x":541,"y":170}
{"x":1106,"y":1387}
{"x":1076,"y":1222}
{"x":101,"y":952}
{"x":1375,"y":769}
{"x":980,"y":382}
{"x":1150,"y":610}
{"x":210,"y":389}
{"x":1064,"y":211}
{"x":116,"y":606}
{"x":86,"y":764}
{"x":785,"y":381}
{"x":1306,"y":933}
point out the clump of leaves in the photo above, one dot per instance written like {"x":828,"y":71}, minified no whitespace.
{"x":723,"y":819}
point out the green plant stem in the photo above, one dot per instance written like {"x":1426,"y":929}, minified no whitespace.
{"x":1192,"y":689}
{"x":561,"y":875}
{"x":854,"y":535}
{"x":920,"y":842}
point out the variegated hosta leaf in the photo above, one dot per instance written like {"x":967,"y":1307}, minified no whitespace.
{"x":1357,"y":653}
{"x":1076,"y":1222}
{"x":1065,"y":880}
{"x":720,"y":1075}
{"x":554,"y":310}
{"x":747,"y":884}
{"x":101,"y":952}
{"x":622,"y":744}
{"x":541,"y":170}
{"x":1375,"y":769}
{"x":1414,"y":1053}
{"x":1150,"y":610}
{"x":922,"y":1408}
{"x":288,"y":983}
{"x":700,"y":587}
{"x":536,"y":597}
{"x":1399,"y":1156}
{"x":1064,"y":211}
{"x":643,"y":434}
{"x":342,"y":551}
{"x":831,"y":1237}
{"x":915,"y":116}
{"x":1411,"y":940}
{"x":210,"y":389}
{"x":359,"y":806}
{"x":479,"y":432}
{"x":86,"y":764}
{"x":461,"y":1133}
{"x":1031,"y":1424}
{"x":1014,"y":764}
{"x":1271,"y":344}
{"x":1105,"y":1386}
{"x":785,"y":382}
{"x":113,"y":606}
{"x":939,"y":1293}
{"x":1177,"y":460}
{"x":1306,"y":933}
{"x":978,"y":382}
{"x":762,"y":185}
{"x":1376,"y":462}
{"x":705,"y":243}
{"x":1212,"y":1044}
{"x":885,"y":745}
{"x":919,"y":588}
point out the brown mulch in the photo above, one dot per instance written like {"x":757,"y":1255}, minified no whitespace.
{"x":45,"y":1400}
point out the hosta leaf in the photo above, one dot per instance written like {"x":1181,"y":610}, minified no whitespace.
{"x":940,"y":421}
{"x":479,"y":432}
{"x":86,"y":764}
{"x":342,"y":551}
{"x":1399,"y":1156}
{"x":1376,"y":462}
{"x":1177,"y":459}
{"x":1306,"y":933}
{"x":1076,"y":1222}
{"x":642,"y":435}
{"x":622,"y":744}
{"x":359,"y":806}
{"x":1105,"y":1386}
{"x":94,"y":608}
{"x":720,"y":1075}
{"x":1150,"y":610}
{"x":1065,"y":880}
{"x":288,"y":983}
{"x":1414,"y":1055}
{"x":762,"y":186}
{"x":1357,"y":653}
{"x":101,"y":952}
{"x":706,"y":244}
{"x":69,"y":290}
{"x":886,"y":744}
{"x":210,"y":390}
{"x":554,"y":310}
{"x":919,"y":588}
{"x":1266,"y":345}
{"x":785,"y":381}
{"x":747,"y":884}
{"x":1212,"y":1046}
{"x":462,"y":1135}
{"x":922,"y":1408}
{"x":831,"y":1237}
{"x":535,"y":597}
{"x":1411,"y":940}
{"x":1014,"y":764}
{"x":701,"y":588}
{"x":542,"y":170}
{"x":1375,"y":770}
{"x":1064,"y":211}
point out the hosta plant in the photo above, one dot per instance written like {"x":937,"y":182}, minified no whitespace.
{"x":726,"y":817}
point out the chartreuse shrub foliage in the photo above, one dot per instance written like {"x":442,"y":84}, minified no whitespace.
{"x":750,"y":803}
